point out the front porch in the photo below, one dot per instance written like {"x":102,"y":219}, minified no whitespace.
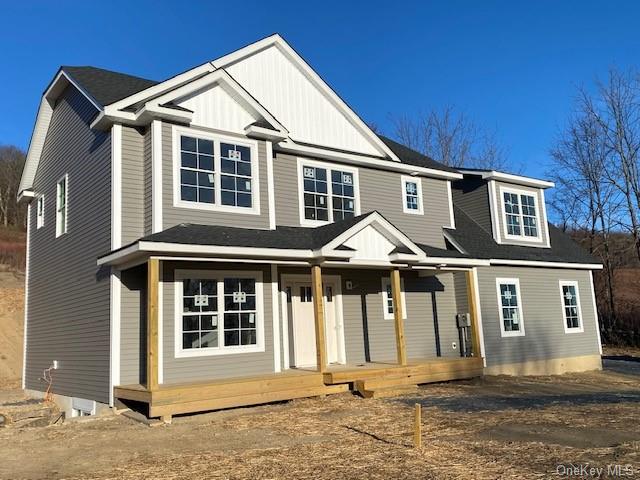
{"x":368,"y":379}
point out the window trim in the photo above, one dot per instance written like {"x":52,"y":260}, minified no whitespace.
{"x":516,"y":282}
{"x":181,"y":275}
{"x":40,"y":212}
{"x":404,"y":179}
{"x":580,"y":327}
{"x":520,"y":191}
{"x":384,"y":281}
{"x":216,"y":138}
{"x":65,"y":179}
{"x":302,"y":162}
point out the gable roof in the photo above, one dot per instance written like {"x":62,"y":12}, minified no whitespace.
{"x":478,"y":243}
{"x":106,"y":86}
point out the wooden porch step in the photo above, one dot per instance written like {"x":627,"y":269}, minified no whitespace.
{"x":386,"y":392}
{"x":417,"y":379}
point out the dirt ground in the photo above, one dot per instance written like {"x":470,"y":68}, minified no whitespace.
{"x":11,"y":325}
{"x":496,"y":427}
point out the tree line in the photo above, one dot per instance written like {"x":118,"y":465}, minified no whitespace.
{"x":11,"y":164}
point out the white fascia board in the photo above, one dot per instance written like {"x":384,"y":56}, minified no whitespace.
{"x":253,"y":131}
{"x":443,"y":262}
{"x":532,"y":263}
{"x":355,"y":159}
{"x":509,"y":177}
{"x":326,"y":90}
{"x":26,"y":195}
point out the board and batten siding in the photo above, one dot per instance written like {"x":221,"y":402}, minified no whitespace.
{"x":68,"y":311}
{"x":172,"y":215}
{"x":379,"y":190}
{"x":544,"y":337}
{"x":133,"y":184}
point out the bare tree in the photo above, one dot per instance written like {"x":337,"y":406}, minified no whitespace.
{"x":11,"y":164}
{"x":451,"y":137}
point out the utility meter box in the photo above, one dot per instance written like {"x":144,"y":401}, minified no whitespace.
{"x":463,"y":320}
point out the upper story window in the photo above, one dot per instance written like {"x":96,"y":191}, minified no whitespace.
{"x":412,"y":195}
{"x":521,"y":218}
{"x":215,"y":173}
{"x":40,"y":212}
{"x":510,"y":307}
{"x":61,"y":205}
{"x":571,"y":310}
{"x":328,"y":193}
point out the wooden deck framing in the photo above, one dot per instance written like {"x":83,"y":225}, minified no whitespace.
{"x":368,"y":379}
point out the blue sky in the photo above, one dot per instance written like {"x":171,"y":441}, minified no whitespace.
{"x":512,"y":66}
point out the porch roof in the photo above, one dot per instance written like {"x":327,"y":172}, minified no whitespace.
{"x":325,"y":243}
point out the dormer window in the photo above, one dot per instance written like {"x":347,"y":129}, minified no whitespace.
{"x":521,"y":217}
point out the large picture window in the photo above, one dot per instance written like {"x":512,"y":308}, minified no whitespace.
{"x":218,"y":312}
{"x":521,"y":219}
{"x":328,"y":193}
{"x":215,"y":173}
{"x":510,"y":307}
{"x":571,"y":310}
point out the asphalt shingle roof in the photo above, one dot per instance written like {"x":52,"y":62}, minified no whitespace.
{"x":480,"y":244}
{"x":411,"y":157}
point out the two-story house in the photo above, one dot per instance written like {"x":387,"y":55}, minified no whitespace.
{"x":236,"y":234}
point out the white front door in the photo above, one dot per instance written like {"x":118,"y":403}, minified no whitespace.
{"x":303,"y":324}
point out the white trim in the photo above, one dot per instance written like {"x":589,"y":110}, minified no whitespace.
{"x":303,"y":162}
{"x":156,"y":176}
{"x":454,"y":242}
{"x":404,"y":179}
{"x":26,"y":298}
{"x":285,"y":326}
{"x":275,"y":318}
{"x":177,"y":132}
{"x":452,"y":218}
{"x":516,"y":282}
{"x":574,"y":284}
{"x":219,"y":275}
{"x":547,"y":239}
{"x":114,"y":332}
{"x":160,"y":323}
{"x":595,"y":311}
{"x":40,"y":211}
{"x":384,"y":282}
{"x":474,"y":275}
{"x":64,"y":178}
{"x":508,"y":177}
{"x":342,"y":347}
{"x":519,"y":192}
{"x":534,"y":263}
{"x":254,"y":131}
{"x":116,"y":186}
{"x":493,"y":196}
{"x":271,"y":193}
{"x":291,"y":147}
{"x":315,"y":79}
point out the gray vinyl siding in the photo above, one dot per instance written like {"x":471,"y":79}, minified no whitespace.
{"x":472,"y":196}
{"x":68,"y":310}
{"x":133,"y":180}
{"x":379,"y":190}
{"x":213,"y":367}
{"x":133,"y":324}
{"x":541,"y":220}
{"x":175,"y":215}
{"x":542,"y":316}
{"x":148,"y":182}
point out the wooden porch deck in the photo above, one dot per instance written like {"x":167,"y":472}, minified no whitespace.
{"x":368,"y":379}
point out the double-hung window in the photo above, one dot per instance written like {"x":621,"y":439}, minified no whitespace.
{"x":510,"y":307}
{"x":218,"y":312}
{"x":61,"y":206}
{"x":327,"y":193}
{"x":40,"y":212}
{"x":387,"y":299}
{"x":215,"y":173}
{"x":571,"y":311}
{"x":411,"y":195}
{"x":520,"y":214}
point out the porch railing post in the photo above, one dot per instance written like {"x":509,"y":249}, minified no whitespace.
{"x":153,"y":278}
{"x":318,"y":315}
{"x":398,"y":316}
{"x":472,"y":297}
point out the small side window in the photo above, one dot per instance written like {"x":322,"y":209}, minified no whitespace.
{"x":40,"y":212}
{"x":412,"y":195}
{"x":387,"y":299}
{"x":61,"y":206}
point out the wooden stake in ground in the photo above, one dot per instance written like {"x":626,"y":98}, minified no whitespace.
{"x":417,"y":427}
